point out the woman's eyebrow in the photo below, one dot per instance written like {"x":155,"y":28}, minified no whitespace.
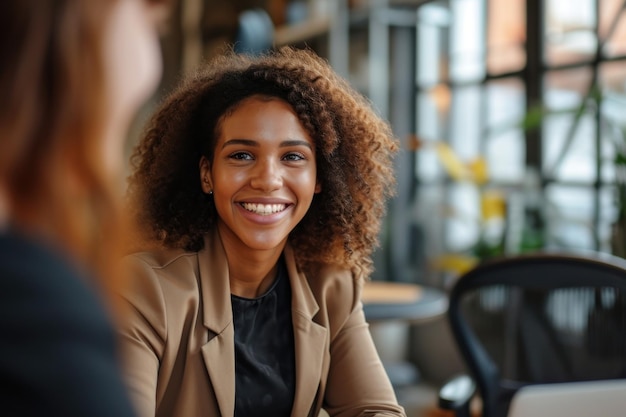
{"x":246,"y":142}
{"x":295,"y":142}
{"x":250,"y":142}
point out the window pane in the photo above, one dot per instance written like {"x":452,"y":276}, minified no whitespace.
{"x":612,"y":79}
{"x":430,"y":54}
{"x":429,"y":212}
{"x":609,"y":12}
{"x":431,"y":126}
{"x":504,"y":148}
{"x":467,"y":40}
{"x":464,"y":214}
{"x":465,"y":126}
{"x":570,"y":212}
{"x":569,"y":145}
{"x":570,"y":31}
{"x":506,"y":36}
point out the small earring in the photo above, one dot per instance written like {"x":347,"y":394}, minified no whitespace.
{"x":210,"y":192}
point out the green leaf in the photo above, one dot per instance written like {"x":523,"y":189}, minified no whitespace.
{"x":533,"y":118}
{"x":620,"y":159}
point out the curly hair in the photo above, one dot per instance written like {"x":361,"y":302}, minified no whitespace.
{"x":354,"y":152}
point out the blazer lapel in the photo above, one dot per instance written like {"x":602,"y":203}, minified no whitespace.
{"x":310,"y":339}
{"x":219,"y":352}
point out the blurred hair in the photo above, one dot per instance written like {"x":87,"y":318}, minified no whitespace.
{"x":51,"y":124}
{"x":354,"y":151}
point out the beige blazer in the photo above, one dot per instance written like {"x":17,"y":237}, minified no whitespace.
{"x":178,"y":339}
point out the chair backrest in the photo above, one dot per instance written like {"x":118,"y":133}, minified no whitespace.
{"x":540,"y":318}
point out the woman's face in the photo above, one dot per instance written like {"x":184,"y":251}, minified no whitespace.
{"x":132,"y":58}
{"x":263,"y":175}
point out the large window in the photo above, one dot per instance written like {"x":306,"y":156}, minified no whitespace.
{"x":515,"y":87}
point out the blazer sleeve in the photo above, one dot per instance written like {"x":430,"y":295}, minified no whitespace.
{"x":142,"y":333}
{"x":357,"y":383}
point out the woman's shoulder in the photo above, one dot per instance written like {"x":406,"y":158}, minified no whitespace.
{"x":150,"y":272}
{"x":335,"y":286}
{"x":148,"y":293}
{"x":28,"y":255}
{"x":158,"y":257}
{"x":40,"y":269}
{"x":39,"y":280}
{"x":337,"y":293}
{"x":334,"y":276}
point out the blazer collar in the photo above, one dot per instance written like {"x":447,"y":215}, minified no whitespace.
{"x":304,"y":301}
{"x":218,"y":353}
{"x":214,"y":284}
{"x":309,"y":337}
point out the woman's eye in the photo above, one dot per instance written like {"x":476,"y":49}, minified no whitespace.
{"x":294,"y":156}
{"x":240,"y":156}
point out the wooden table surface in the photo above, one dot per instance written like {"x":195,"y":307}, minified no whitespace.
{"x":390,"y":292}
{"x":388,"y":300}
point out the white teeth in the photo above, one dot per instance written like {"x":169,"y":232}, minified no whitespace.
{"x":264,"y":209}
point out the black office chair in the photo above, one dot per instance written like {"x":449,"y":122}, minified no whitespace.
{"x":535,"y":319}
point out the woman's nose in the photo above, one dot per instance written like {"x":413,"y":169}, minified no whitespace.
{"x":267,"y":176}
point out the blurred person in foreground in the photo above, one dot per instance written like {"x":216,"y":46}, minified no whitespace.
{"x":260,"y":185}
{"x":72,"y":75}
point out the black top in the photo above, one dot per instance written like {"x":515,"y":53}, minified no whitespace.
{"x":57,"y":354}
{"x":264,"y":351}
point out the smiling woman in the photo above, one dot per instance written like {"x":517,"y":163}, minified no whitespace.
{"x":259,"y":187}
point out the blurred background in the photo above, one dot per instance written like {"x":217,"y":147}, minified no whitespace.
{"x":511,"y":115}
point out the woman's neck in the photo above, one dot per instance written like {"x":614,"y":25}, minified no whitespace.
{"x":251,"y":272}
{"x":250,"y":282}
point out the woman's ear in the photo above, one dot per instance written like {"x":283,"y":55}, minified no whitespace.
{"x":318,"y":187}
{"x":205,"y":176}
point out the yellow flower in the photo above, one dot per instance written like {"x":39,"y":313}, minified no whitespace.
{"x":455,"y":262}
{"x":451,"y":162}
{"x":492,"y":204}
{"x":478,"y":168}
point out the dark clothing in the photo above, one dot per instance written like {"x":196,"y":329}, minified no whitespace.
{"x":264,"y":351}
{"x":57,"y":346}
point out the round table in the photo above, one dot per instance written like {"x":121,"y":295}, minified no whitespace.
{"x":384,"y":300}
{"x":390,"y":308}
